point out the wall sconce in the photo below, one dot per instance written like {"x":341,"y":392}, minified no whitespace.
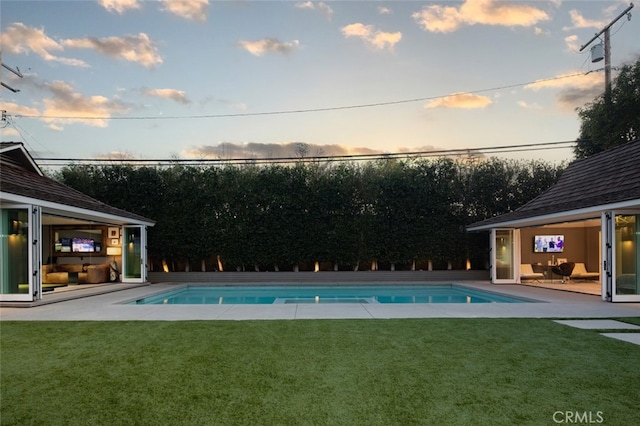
{"x":114,"y":251}
{"x":626,"y":233}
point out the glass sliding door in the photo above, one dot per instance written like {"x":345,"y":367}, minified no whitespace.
{"x":35,"y":231}
{"x":134,"y":254}
{"x":504,"y":255}
{"x":626,"y":258}
{"x":607,"y":229}
{"x":17,"y":283}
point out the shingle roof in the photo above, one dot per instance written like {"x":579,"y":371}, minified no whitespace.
{"x":17,"y":180}
{"x":14,"y":153}
{"x":4,"y":145}
{"x":609,"y":177}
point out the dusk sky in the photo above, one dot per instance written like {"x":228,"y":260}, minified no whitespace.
{"x":228,"y":79}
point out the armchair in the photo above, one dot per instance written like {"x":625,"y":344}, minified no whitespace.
{"x":564,"y":270}
{"x":526,"y":273}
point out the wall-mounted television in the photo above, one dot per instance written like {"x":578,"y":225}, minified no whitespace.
{"x":83,"y":245}
{"x":548,"y":243}
{"x":63,"y":245}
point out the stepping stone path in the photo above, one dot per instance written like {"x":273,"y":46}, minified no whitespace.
{"x":607,"y":324}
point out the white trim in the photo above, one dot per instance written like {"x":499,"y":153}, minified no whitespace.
{"x":143,"y":255}
{"x":66,"y":210}
{"x":514,"y":258}
{"x":605,"y":254}
{"x":19,"y":146}
{"x":570,"y":215}
{"x":25,"y":297}
{"x":35,"y":258}
{"x":615,"y":296}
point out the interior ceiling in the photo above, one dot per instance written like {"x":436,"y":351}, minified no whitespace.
{"x":48,"y":219}
{"x":589,"y":223}
{"x":60,"y":220}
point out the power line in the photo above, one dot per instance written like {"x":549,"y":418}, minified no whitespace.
{"x":295,"y":111}
{"x":21,"y":131}
{"x":462,"y":152}
{"x":15,"y":71}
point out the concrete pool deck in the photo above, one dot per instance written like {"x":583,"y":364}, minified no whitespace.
{"x":95,"y":304}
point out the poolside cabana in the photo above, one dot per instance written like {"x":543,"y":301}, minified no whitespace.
{"x":595,"y":210}
{"x":52,"y":235}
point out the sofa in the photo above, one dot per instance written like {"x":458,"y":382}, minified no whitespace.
{"x":59,"y":273}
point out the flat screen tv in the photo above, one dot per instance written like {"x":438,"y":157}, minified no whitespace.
{"x":82,"y":245}
{"x":548,"y":243}
{"x":63,"y":245}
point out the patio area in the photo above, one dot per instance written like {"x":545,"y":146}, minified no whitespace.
{"x":584,"y":287}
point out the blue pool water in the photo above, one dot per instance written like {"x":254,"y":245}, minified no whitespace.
{"x":195,"y":295}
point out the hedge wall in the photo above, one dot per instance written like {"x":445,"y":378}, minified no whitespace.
{"x":388,"y":214}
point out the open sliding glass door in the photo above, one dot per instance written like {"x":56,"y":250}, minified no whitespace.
{"x":505,"y":256}
{"x":624,"y":239}
{"x":134,"y":254}
{"x":20,"y":252}
{"x":35,"y":262}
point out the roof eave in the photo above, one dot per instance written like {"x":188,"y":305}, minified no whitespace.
{"x":559,"y":217}
{"x":66,"y":210}
{"x":26,"y":157}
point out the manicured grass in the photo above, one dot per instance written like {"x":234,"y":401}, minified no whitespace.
{"x":347,"y":372}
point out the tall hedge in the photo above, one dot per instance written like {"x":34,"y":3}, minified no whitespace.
{"x":390,"y":213}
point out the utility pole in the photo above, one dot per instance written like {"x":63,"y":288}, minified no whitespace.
{"x":596,"y":51}
{"x":15,"y":71}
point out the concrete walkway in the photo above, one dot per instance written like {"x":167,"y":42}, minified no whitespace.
{"x":113,"y":307}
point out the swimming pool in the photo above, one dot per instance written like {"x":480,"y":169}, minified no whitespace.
{"x":204,"y":295}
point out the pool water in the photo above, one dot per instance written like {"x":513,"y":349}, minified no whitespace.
{"x":201,"y":295}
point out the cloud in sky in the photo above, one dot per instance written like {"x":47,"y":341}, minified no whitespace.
{"x":570,"y":79}
{"x":579,"y":21}
{"x":460,"y":101}
{"x":268,"y":45}
{"x":572,"y":43}
{"x":375,"y":38}
{"x":175,"y":95}
{"x":382,"y":10}
{"x":9,"y":133}
{"x":574,"y":90}
{"x":229,"y":150}
{"x":444,"y":19}
{"x":20,"y":39}
{"x":117,"y":155}
{"x":320,"y":7}
{"x":540,"y":32}
{"x":134,"y":48}
{"x":77,"y":108}
{"x":242,"y":150}
{"x":526,"y":105}
{"x":119,"y":6}
{"x":16,"y":109}
{"x":195,"y":10}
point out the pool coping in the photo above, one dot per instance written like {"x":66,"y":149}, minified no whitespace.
{"x":306,"y":300}
{"x":110,"y":307}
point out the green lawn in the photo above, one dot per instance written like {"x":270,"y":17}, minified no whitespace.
{"x":348,"y":372}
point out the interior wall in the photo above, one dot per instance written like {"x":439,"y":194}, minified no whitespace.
{"x":49,"y":256}
{"x":581,"y":244}
{"x":47,"y":243}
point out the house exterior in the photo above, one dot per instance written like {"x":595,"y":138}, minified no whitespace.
{"x":52,"y":235}
{"x":594,"y":208}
